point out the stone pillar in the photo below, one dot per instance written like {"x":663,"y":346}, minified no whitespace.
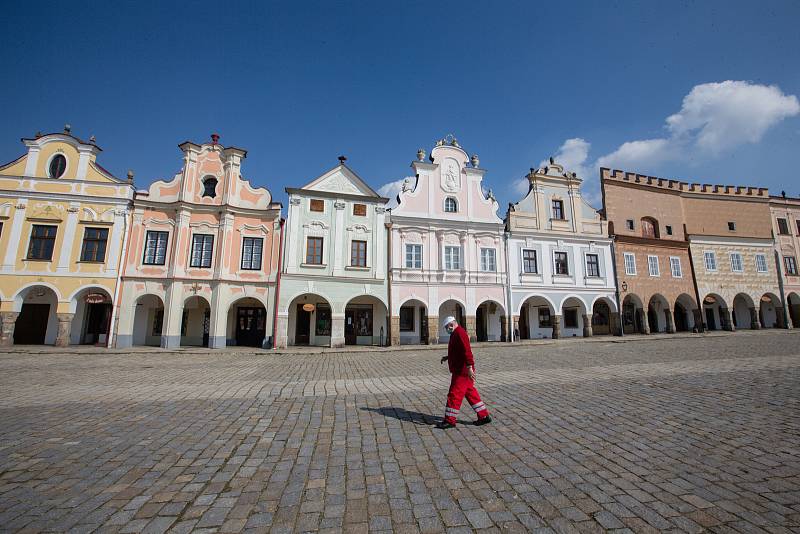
{"x":433,"y":330}
{"x":725,"y":318}
{"x":698,"y":320}
{"x":587,"y":325}
{"x":7,"y":322}
{"x":64,"y":327}
{"x":503,"y":328}
{"x":643,"y":319}
{"x":755,"y":323}
{"x":556,"y":326}
{"x":615,"y":323}
{"x":394,"y":328}
{"x":337,"y":331}
{"x":670,"y":321}
{"x":470,"y":328}
{"x":282,"y":332}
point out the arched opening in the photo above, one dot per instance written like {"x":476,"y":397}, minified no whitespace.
{"x":743,"y":310}
{"x":536,"y":318}
{"x":601,"y":318}
{"x":573,"y":311}
{"x":684,"y":314}
{"x":448,"y":308}
{"x":209,"y":187}
{"x":657,"y":310}
{"x":247,"y":323}
{"x":148,"y":321}
{"x":632,"y":315}
{"x":195,"y":322}
{"x":716,"y":312}
{"x":37,"y":323}
{"x":770,"y":311}
{"x":490,"y":318}
{"x":793,"y":300}
{"x":365,"y":321}
{"x":310,"y":321}
{"x":650,"y":228}
{"x":413,"y":324}
{"x":92,"y":320}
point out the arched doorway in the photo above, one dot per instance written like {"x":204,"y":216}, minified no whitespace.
{"x":793,"y":300}
{"x":657,"y":310}
{"x":454,"y":308}
{"x":490,"y":321}
{"x":37,"y":322}
{"x":247,"y":323}
{"x":536,"y":318}
{"x":770,"y":312}
{"x":92,"y":319}
{"x":684,"y":314}
{"x":310,"y":321}
{"x":716,"y":312}
{"x":632,"y":315}
{"x":742,"y":315}
{"x":148,"y":321}
{"x":365,"y":321}
{"x":573,"y":310}
{"x":195,"y":322}
{"x":601,"y":318}
{"x":413,"y":323}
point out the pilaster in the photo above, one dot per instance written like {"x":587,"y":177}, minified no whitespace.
{"x":337,"y":331}
{"x":470,"y":328}
{"x":670,"y":321}
{"x":587,"y":325}
{"x":556,"y":326}
{"x":394,"y":331}
{"x":755,"y":323}
{"x":15,"y":241}
{"x":64,"y":327}
{"x":643,"y":321}
{"x":69,"y":238}
{"x":433,"y":330}
{"x":7,"y":323}
{"x":173,"y":314}
{"x":725,"y":318}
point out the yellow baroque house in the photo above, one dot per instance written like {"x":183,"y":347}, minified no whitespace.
{"x":63,"y":226}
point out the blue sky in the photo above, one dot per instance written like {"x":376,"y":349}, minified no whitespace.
{"x":700,"y":91}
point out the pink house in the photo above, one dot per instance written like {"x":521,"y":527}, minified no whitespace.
{"x":202,"y":257}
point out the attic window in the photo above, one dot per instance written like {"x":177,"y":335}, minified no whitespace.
{"x":732,"y":226}
{"x":210,"y":187}
{"x":317,"y":205}
{"x":360,"y":210}
{"x":57,"y":166}
{"x":450,"y":205}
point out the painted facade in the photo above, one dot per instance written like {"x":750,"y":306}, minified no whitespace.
{"x":203,"y":257}
{"x":447,"y":251}
{"x":63,"y":219}
{"x":786,"y":228}
{"x":560,"y":266}
{"x":333,"y":284}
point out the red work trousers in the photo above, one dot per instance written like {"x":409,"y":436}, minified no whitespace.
{"x":462,"y":386}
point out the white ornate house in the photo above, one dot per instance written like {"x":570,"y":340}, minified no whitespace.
{"x":560,"y":262}
{"x":446,"y":251}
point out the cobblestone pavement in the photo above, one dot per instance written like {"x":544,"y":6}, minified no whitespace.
{"x":686,"y":434}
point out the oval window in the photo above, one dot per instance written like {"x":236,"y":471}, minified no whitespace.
{"x":57,"y":166}
{"x":210,"y":187}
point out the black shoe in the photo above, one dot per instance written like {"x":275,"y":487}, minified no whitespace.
{"x":444,"y":425}
{"x":484,"y":420}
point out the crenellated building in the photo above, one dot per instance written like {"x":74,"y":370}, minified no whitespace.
{"x":63,"y":220}
{"x":560,"y":266}
{"x":203,"y":256}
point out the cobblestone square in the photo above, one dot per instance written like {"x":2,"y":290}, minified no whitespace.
{"x":690,"y":434}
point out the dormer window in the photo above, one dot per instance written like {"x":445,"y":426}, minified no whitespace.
{"x":210,"y":187}
{"x":450,"y":205}
{"x":57,"y":166}
{"x":558,"y":209}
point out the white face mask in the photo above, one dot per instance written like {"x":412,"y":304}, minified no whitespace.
{"x":450,"y":327}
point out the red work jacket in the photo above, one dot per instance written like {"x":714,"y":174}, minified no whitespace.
{"x":459,"y":353}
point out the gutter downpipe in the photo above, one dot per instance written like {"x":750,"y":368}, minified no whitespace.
{"x":786,"y":317}
{"x":703,"y":327}
{"x":277,"y":290}
{"x":510,"y":314}
{"x":616,"y":285}
{"x":388,"y":226}
{"x":112,"y":331}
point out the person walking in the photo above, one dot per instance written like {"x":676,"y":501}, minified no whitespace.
{"x":462,"y":382}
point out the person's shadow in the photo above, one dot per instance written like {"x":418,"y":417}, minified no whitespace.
{"x":404,"y":415}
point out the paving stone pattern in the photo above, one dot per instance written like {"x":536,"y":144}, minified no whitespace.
{"x":668,"y":434}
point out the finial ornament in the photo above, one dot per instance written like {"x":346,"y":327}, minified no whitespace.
{"x":475,"y":160}
{"x":92,"y":139}
{"x":130,"y":176}
{"x":214,"y":139}
{"x":342,"y":159}
{"x":421,"y":154}
{"x":67,"y":128}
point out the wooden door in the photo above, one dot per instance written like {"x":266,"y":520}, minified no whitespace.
{"x":480,"y":324}
{"x":350,"y":327}
{"x":250,"y":327}
{"x":31,"y":325}
{"x":302,"y":328}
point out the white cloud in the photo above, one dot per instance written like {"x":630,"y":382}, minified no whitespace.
{"x":638,"y":154}
{"x":572,"y":155}
{"x":392,"y":189}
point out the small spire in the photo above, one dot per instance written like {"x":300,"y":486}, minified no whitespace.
{"x":214,"y":139}
{"x":342,"y":159}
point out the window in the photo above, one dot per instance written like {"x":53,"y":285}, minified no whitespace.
{"x":360,"y":210}
{"x":761,"y":263}
{"x":798,"y":226}
{"x":488,"y":260}
{"x":710,"y":260}
{"x":561,"y":263}
{"x":358,"y":253}
{"x":630,"y":263}
{"x":202,"y":248}
{"x":322,"y":326}
{"x":675,"y":267}
{"x":210,"y":187}
{"x":43,"y":238}
{"x":413,"y":256}
{"x":450,"y":205}
{"x":155,"y":248}
{"x":94,"y":244}
{"x":529,"y":261}
{"x":593,"y":265}
{"x":732,"y":226}
{"x":314,"y":251}
{"x":791,"y":266}
{"x":545,"y":321}
{"x":571,"y":318}
{"x":783,"y":226}
{"x":317,"y":205}
{"x":452,"y":258}
{"x":737,"y":265}
{"x":252,"y":248}
{"x":406,"y":319}
{"x":558,"y":209}
{"x":652,"y":265}
{"x":668,"y":229}
{"x":629,"y":224}
{"x":57,"y":166}
{"x":650,"y":228}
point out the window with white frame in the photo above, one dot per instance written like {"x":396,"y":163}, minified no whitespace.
{"x":652,"y":265}
{"x":529,"y":263}
{"x":413,"y":256}
{"x":450,"y":205}
{"x":155,"y":248}
{"x":202,"y":248}
{"x":710,"y":259}
{"x":593,"y":265}
{"x":675,"y":267}
{"x":560,"y":263}
{"x":488,"y":260}
{"x":452,"y":258}
{"x":252,"y":249}
{"x":761,"y":263}
{"x":737,"y":265}
{"x":791,"y":265}
{"x":630,"y":263}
